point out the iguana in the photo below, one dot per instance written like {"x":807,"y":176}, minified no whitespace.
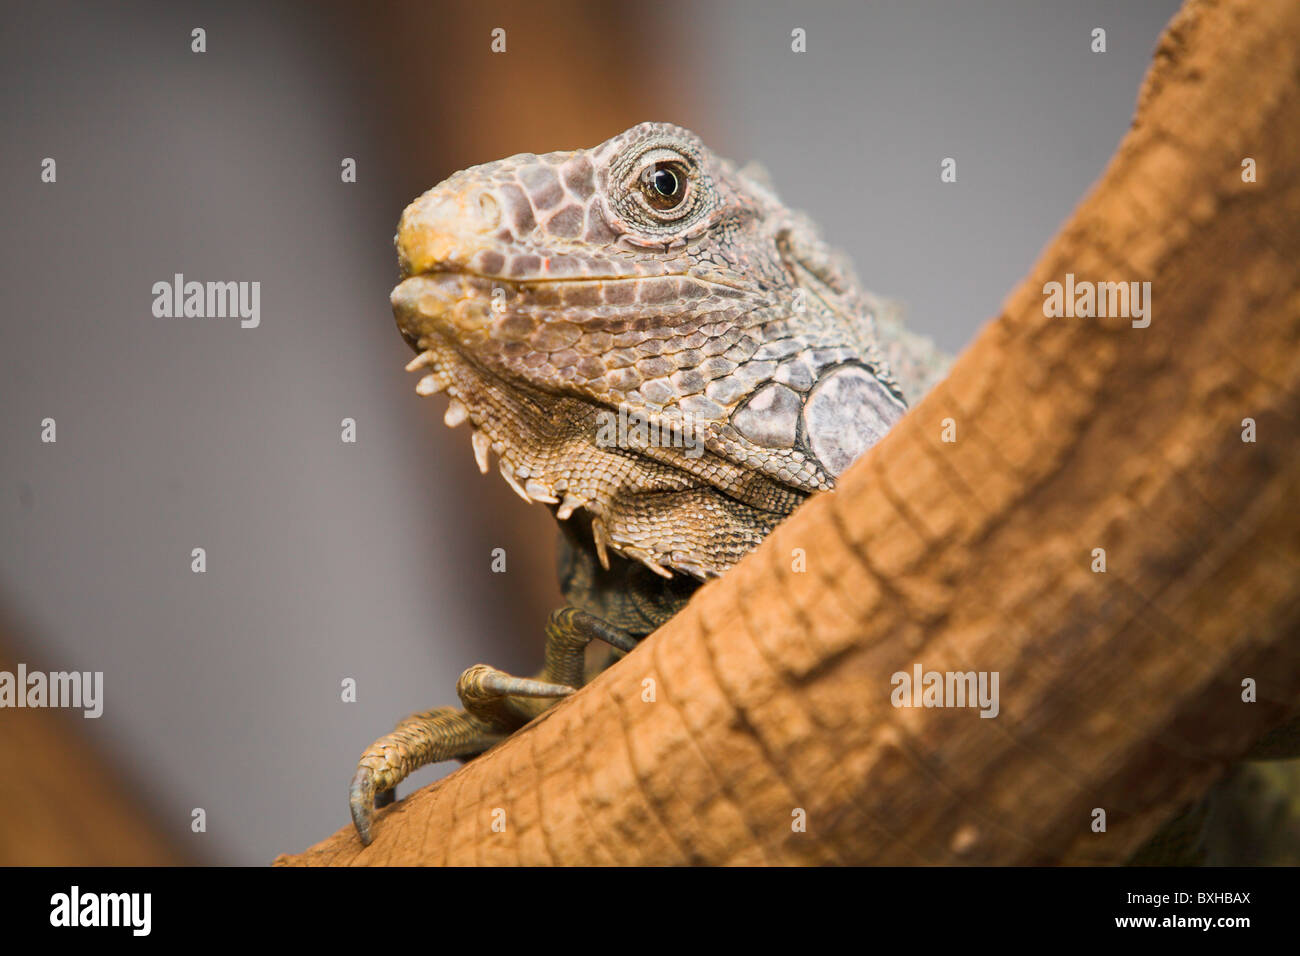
{"x":646,"y":282}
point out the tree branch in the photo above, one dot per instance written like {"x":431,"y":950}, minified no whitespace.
{"x":1119,"y":690}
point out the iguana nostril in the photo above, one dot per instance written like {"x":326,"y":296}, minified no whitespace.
{"x":489,"y":211}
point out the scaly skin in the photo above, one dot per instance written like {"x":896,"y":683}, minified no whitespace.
{"x":547,"y":294}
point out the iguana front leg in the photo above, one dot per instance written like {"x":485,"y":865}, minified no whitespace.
{"x":495,"y":706}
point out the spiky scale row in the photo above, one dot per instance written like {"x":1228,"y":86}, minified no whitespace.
{"x":482,"y":445}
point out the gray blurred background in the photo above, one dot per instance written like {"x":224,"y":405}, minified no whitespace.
{"x":371,"y":560}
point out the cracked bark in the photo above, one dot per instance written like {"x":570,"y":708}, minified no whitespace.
{"x":1119,"y":690}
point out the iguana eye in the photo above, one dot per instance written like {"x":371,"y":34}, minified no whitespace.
{"x":661,"y":191}
{"x":664,"y":184}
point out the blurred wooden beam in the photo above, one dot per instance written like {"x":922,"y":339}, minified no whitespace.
{"x":60,"y":802}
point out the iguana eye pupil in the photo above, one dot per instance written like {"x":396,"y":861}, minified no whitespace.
{"x":665,"y":182}
{"x":664,"y":185}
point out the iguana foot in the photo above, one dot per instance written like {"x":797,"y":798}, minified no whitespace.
{"x":495,"y":703}
{"x":434,"y":735}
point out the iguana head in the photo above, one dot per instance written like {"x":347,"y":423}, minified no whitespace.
{"x":547,"y":293}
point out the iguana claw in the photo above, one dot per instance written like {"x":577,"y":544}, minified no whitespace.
{"x":361,"y":796}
